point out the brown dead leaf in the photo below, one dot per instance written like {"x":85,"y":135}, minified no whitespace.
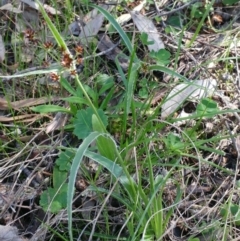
{"x":4,"y":104}
{"x":93,"y":22}
{"x":91,"y":29}
{"x":9,"y":7}
{"x":33,"y":102}
{"x":58,"y":122}
{"x":35,"y":6}
{"x":124,"y":18}
{"x":22,"y":118}
{"x":92,"y":14}
{"x":104,"y":44}
{"x":146,"y":25}
{"x":158,"y":95}
{"x":16,"y":105}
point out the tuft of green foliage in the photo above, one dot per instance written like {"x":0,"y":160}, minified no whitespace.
{"x":130,"y":161}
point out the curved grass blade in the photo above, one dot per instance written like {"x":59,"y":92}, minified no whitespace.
{"x":81,"y":152}
{"x":168,"y":71}
{"x":35,"y":72}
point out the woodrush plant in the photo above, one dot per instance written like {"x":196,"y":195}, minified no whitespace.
{"x":109,"y":156}
{"x":147,"y":217}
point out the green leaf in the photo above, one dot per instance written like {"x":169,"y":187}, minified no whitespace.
{"x":73,"y":173}
{"x":51,"y":26}
{"x":175,"y":20}
{"x":167,"y":71}
{"x":107,"y":98}
{"x":104,"y":79}
{"x":105,"y":145}
{"x":197,"y":10}
{"x":207,"y":107}
{"x":193,"y":239}
{"x":106,"y":87}
{"x":91,"y":92}
{"x":67,"y":86}
{"x":59,"y":177}
{"x":83,"y":124}
{"x":230,"y":2}
{"x":54,"y":200}
{"x":130,"y":85}
{"x":162,"y":56}
{"x":173,"y":142}
{"x":64,"y":160}
{"x":144,"y":39}
{"x":49,"y":109}
{"x":234,"y":209}
{"x":75,"y":99}
{"x":143,"y":93}
{"x":111,"y":166}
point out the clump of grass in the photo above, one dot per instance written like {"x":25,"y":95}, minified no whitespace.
{"x":152,"y":170}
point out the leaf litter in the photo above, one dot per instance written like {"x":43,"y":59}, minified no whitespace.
{"x":204,"y":196}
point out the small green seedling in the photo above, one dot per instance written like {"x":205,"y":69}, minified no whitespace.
{"x":162,"y":56}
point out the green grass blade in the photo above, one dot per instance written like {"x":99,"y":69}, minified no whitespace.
{"x":133,"y":72}
{"x":168,"y":71}
{"x":82,"y":149}
{"x":200,"y":25}
{"x":51,"y":26}
{"x":75,"y":99}
{"x":50,"y":108}
{"x":66,"y":85}
{"x":111,"y":166}
{"x":35,"y":72}
{"x":105,"y":144}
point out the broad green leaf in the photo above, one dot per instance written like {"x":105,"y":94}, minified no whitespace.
{"x":75,"y":99}
{"x":175,"y":20}
{"x":105,"y":145}
{"x":83,"y":123}
{"x":64,"y":160}
{"x":104,"y":79}
{"x":93,"y":94}
{"x":59,"y":177}
{"x":144,"y":39}
{"x":54,"y":199}
{"x":105,"y":87}
{"x":162,"y":56}
{"x":49,"y":109}
{"x":193,"y":239}
{"x":107,"y":98}
{"x":173,"y":142}
{"x":207,"y":106}
{"x":230,"y":2}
